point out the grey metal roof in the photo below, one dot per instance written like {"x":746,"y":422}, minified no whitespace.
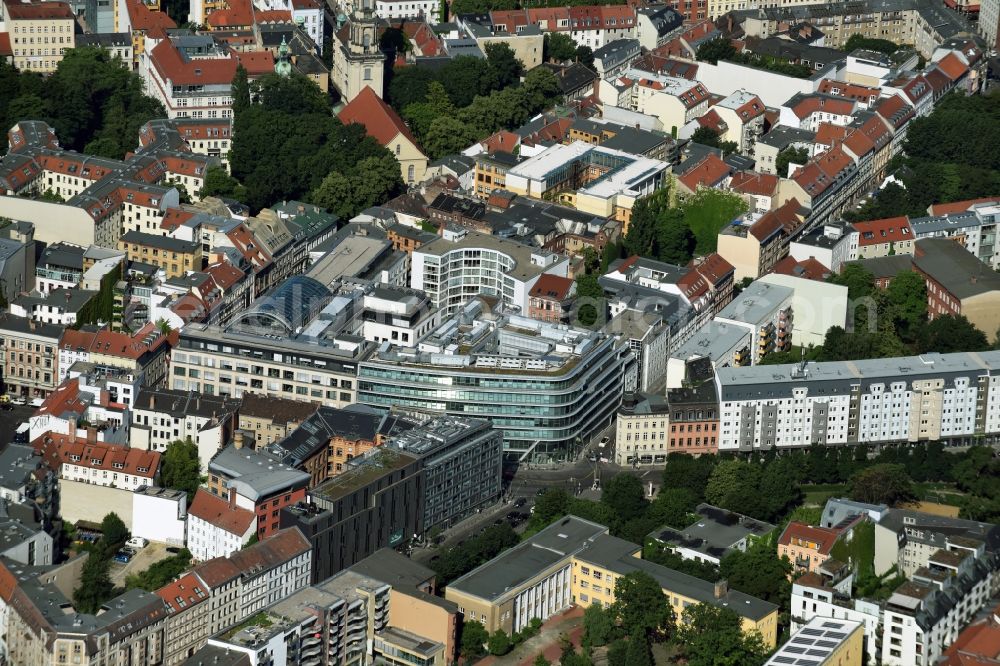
{"x":715,"y":533}
{"x":756,"y":302}
{"x":512,"y":568}
{"x":254,"y":474}
{"x":615,"y":554}
{"x":713,"y":341}
{"x":955,"y":268}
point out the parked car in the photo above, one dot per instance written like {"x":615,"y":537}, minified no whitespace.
{"x":18,"y":401}
{"x":520,"y":501}
{"x":137,"y":542}
{"x":604,"y":441}
{"x":37,"y":402}
{"x":123,"y":557}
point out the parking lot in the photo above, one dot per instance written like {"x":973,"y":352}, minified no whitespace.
{"x":146,"y":557}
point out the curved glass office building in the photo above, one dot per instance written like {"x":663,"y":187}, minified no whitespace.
{"x":548,"y":388}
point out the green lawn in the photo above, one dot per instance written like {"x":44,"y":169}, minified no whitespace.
{"x":819,"y":493}
{"x":707,"y":212}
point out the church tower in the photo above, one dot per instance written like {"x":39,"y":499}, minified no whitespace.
{"x":359,"y":62}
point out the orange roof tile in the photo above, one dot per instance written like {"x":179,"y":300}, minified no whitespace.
{"x":58,"y":449}
{"x":5,"y":49}
{"x":380,"y":121}
{"x":977,"y":645}
{"x":552,"y":286}
{"x":888,"y":230}
{"x":823,"y":537}
{"x":38,"y":11}
{"x":220,"y":513}
{"x":782,"y":219}
{"x":257,"y":63}
{"x":827,"y":133}
{"x":708,"y":173}
{"x":810,"y":269}
{"x":751,"y":182}
{"x":201,"y":71}
{"x":144,"y":19}
{"x":853,"y":91}
{"x":183,"y":593}
{"x":811,"y":104}
{"x":953,"y":66}
{"x":713,"y":267}
{"x":959,"y":206}
{"x":224,"y":274}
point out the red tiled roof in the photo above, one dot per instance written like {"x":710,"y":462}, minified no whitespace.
{"x":273,"y":551}
{"x":257,"y":63}
{"x":216,"y":572}
{"x":503,"y":141}
{"x":713,"y":121}
{"x":202,"y":71}
{"x":888,"y":230}
{"x":811,"y":104}
{"x":692,"y":285}
{"x":853,"y":91}
{"x":380,"y":121}
{"x":709,"y":172}
{"x":38,"y":11}
{"x":810,"y":269}
{"x":145,"y":19}
{"x":220,"y":513}
{"x":977,"y":645}
{"x":552,"y":286}
{"x":57,"y":449}
{"x":827,"y":133}
{"x":952,"y":66}
{"x":959,"y":206}
{"x":183,"y":593}
{"x":5,"y":49}
{"x":823,"y":537}
{"x":113,"y":343}
{"x":224,"y":274}
{"x":174,"y":217}
{"x":895,"y":110}
{"x":751,"y":182}
{"x":66,"y":398}
{"x":784,"y":218}
{"x":713,"y":267}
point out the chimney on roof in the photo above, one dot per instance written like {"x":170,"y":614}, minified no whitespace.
{"x":721,"y":588}
{"x":238,"y":439}
{"x":91,"y":435}
{"x":152,"y":401}
{"x":232,"y":498}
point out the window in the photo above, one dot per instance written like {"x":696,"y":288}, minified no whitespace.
{"x":368,"y":73}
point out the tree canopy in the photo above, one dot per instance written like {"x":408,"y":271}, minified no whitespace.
{"x":882,"y":484}
{"x":641,"y":607}
{"x":287,"y":143}
{"x":181,"y":468}
{"x":941,"y":164}
{"x":93,"y":101}
{"x":713,"y":636}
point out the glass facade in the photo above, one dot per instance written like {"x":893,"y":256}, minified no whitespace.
{"x":552,"y":413}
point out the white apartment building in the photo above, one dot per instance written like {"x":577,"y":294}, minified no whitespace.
{"x":827,"y":594}
{"x":216,"y":527}
{"x":429,"y":10}
{"x":926,"y":614}
{"x":161,"y":416}
{"x":465,"y":264}
{"x":907,"y":399}
{"x":674,"y":101}
{"x":189,"y":87}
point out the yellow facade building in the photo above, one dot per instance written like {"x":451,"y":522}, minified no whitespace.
{"x":576,"y":562}
{"x":39,"y":33}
